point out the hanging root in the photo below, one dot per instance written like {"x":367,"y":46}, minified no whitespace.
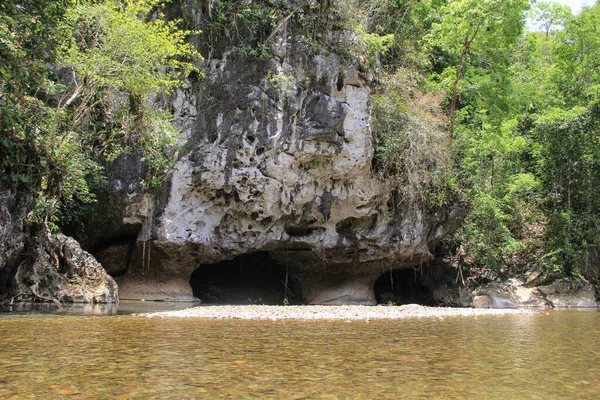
{"x":38,"y":296}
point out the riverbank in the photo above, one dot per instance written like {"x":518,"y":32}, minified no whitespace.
{"x":330,"y":312}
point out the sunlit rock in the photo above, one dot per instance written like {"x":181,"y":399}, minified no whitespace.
{"x":566,"y":292}
{"x":278,"y":159}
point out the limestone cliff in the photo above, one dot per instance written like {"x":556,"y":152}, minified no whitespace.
{"x":278,"y":159}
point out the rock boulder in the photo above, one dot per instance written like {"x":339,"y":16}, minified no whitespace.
{"x":56,"y":269}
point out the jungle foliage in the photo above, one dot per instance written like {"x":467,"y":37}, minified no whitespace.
{"x":76,"y":84}
{"x":520,"y":111}
{"x":470,"y":102}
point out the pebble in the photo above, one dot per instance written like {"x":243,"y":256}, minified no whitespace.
{"x":345,"y":313}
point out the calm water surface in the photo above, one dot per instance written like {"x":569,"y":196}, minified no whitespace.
{"x":550,"y":355}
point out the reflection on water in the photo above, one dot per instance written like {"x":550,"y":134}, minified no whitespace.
{"x":550,"y":355}
{"x":125,"y":307}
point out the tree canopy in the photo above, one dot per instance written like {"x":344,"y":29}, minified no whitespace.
{"x":76,"y":87}
{"x":522,"y":108}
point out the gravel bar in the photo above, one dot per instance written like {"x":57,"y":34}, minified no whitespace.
{"x":330,"y":312}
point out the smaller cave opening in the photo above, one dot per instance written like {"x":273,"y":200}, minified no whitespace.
{"x":340,"y":82}
{"x":299,"y":231}
{"x":254,"y":278}
{"x":403,"y":286}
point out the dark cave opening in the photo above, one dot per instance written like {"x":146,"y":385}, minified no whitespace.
{"x":402,"y":286}
{"x":254,"y":278}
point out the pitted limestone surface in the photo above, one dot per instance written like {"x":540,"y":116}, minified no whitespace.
{"x":278,"y":159}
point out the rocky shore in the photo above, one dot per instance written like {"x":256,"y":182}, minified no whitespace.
{"x":330,"y":313}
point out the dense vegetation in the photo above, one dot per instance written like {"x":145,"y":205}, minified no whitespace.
{"x":522,"y":125}
{"x":75,"y":86}
{"x":472,"y":105}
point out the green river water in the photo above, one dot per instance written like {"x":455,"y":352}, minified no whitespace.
{"x":553,"y":354}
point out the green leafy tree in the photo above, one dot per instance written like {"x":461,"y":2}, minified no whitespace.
{"x":31,"y":34}
{"x":119,"y":63}
{"x":59,"y":124}
{"x":475,"y":29}
{"x":569,"y":167}
{"x":550,"y":15}
{"x":577,"y":56}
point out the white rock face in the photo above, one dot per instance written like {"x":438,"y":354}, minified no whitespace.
{"x":278,"y":159}
{"x":566,"y":292}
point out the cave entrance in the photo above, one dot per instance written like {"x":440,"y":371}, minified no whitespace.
{"x":402,"y":286}
{"x":254,"y":278}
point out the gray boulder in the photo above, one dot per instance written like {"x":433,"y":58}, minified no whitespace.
{"x":56,"y":269}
